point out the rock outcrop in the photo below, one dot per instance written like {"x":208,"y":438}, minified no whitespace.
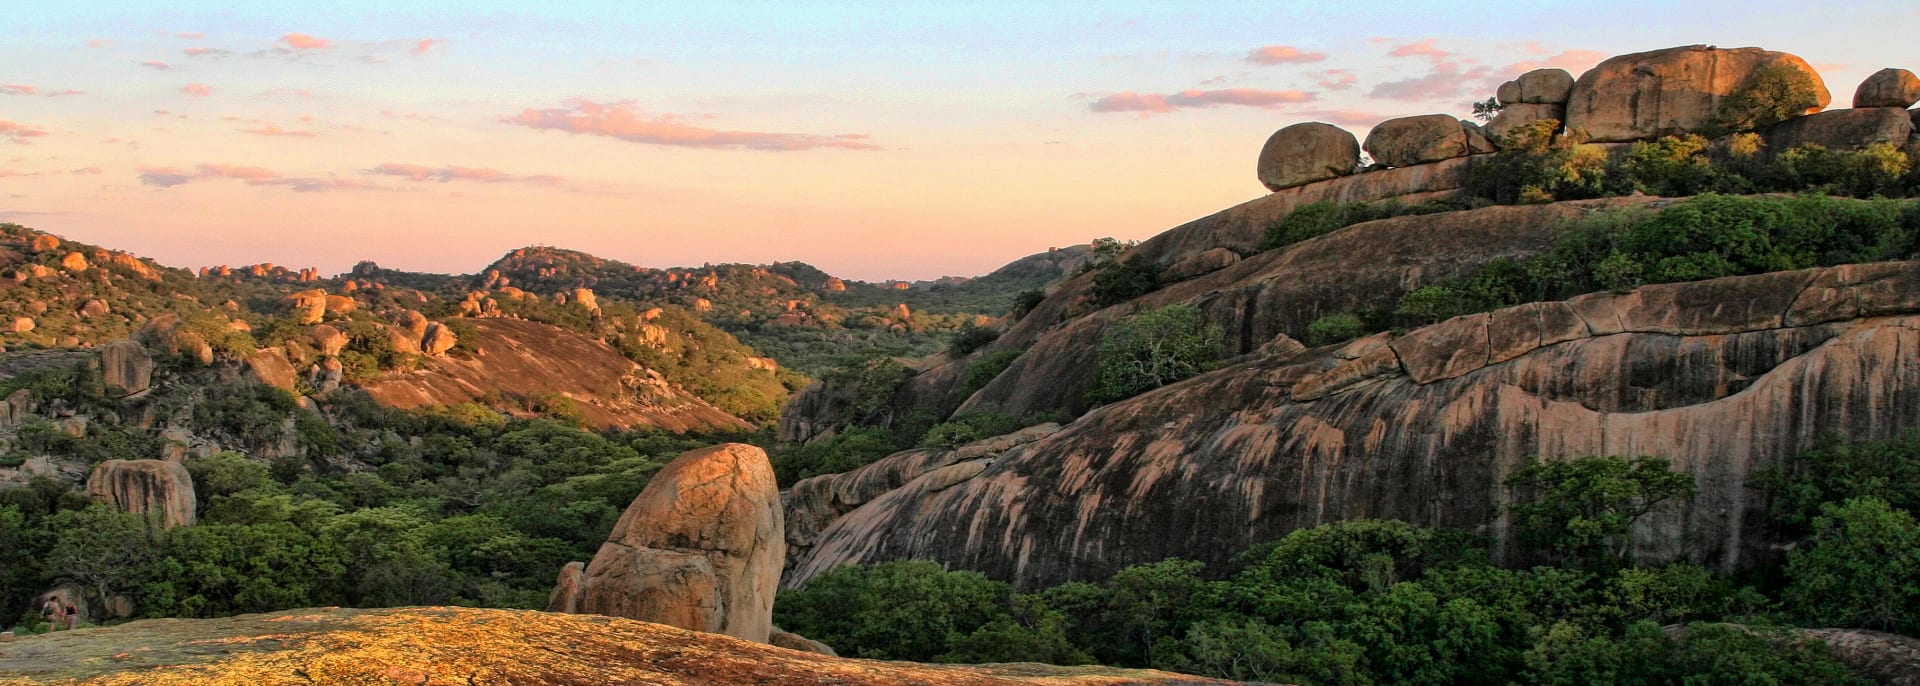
{"x":1407,"y":141}
{"x":157,"y":487}
{"x":1304,"y":153}
{"x":1513,"y":117}
{"x":1842,"y":130}
{"x":529,"y":359}
{"x":793,"y":641}
{"x":1722,"y":377}
{"x":1677,"y":90}
{"x":1888,"y":88}
{"x":700,"y":548}
{"x":125,"y":368}
{"x":438,"y":339}
{"x":1538,"y":87}
{"x":447,"y":645}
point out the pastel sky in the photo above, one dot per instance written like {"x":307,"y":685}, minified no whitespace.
{"x":872,"y":139}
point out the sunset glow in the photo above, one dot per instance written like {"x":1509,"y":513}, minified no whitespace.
{"x":874,"y":140}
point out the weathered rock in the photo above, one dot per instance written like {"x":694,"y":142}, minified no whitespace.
{"x":1676,"y":90}
{"x":1547,"y":86}
{"x":193,"y":346}
{"x":94,"y":309}
{"x":792,"y":641}
{"x":567,"y":589}
{"x":1721,"y":377}
{"x":1304,"y":153}
{"x":126,"y":368}
{"x":1407,"y":141}
{"x":1842,"y":130}
{"x":328,"y":339}
{"x":700,"y":548}
{"x":1204,"y":263}
{"x":341,"y":304}
{"x":1513,"y":117}
{"x":74,"y":262}
{"x":438,"y":339}
{"x":585,"y":297}
{"x":1888,"y":87}
{"x":1477,"y":141}
{"x":1887,"y":659}
{"x":45,"y":243}
{"x":270,"y":366}
{"x":158,"y":487}
{"x":448,"y":645}
{"x":308,"y":307}
{"x":414,"y":323}
{"x":22,"y":324}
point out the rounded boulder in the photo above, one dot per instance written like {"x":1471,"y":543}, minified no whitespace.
{"x":1407,"y":141}
{"x":1646,"y":95}
{"x":1304,"y":153}
{"x":1888,"y":88}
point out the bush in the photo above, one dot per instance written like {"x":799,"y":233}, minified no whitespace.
{"x":1026,"y":301}
{"x":905,"y":610}
{"x":971,"y":337}
{"x":1772,"y":94}
{"x":1153,"y":349}
{"x":968,"y":428}
{"x":1335,"y":328}
{"x":1316,"y":219}
{"x":1861,"y":568}
{"x":988,"y":368}
{"x":1535,"y":165}
{"x":1118,"y":282}
{"x":1582,"y":510}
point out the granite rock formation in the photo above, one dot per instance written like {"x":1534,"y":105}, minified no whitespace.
{"x":157,"y":487}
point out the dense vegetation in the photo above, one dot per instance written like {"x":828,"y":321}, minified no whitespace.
{"x":359,"y":506}
{"x":1152,"y":349}
{"x":1379,"y":602}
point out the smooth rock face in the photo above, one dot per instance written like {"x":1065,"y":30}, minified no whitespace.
{"x":1843,"y":130}
{"x":145,"y":486}
{"x":792,"y":641}
{"x":1304,"y":153}
{"x":1407,"y":141}
{"x":700,"y":548}
{"x":1722,"y":377}
{"x":1204,"y":263}
{"x":1515,"y":116}
{"x":1538,"y":87}
{"x":126,"y":368}
{"x":1888,"y":88}
{"x":1677,"y":90}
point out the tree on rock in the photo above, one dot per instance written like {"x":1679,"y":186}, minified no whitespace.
{"x":1583,"y":510}
{"x":1153,"y":349}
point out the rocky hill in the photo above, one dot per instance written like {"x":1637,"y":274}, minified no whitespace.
{"x":1425,"y":418}
{"x":460,"y":645}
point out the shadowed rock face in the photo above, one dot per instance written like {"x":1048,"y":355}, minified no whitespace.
{"x":1722,"y":377}
{"x":700,"y":548}
{"x":471,"y":646}
{"x":145,"y":486}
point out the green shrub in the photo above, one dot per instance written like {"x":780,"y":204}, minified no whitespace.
{"x":1537,"y":165}
{"x":988,"y":368}
{"x":968,"y":428}
{"x":1335,"y":328}
{"x":1860,"y":569}
{"x":850,"y":449}
{"x":1316,"y":219}
{"x":1118,"y":282}
{"x":1583,"y":510}
{"x":1153,"y":349}
{"x":971,"y":337}
{"x":1772,"y":94}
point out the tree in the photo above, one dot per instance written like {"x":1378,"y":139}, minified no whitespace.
{"x":1861,"y":569}
{"x":1153,"y":349}
{"x":1486,"y":110}
{"x":1584,"y":509}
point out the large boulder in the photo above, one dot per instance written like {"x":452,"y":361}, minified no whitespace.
{"x":1888,"y":88}
{"x":1515,"y":116}
{"x":1304,"y":153}
{"x":126,"y":368}
{"x":1538,"y":87}
{"x":308,"y":307}
{"x":329,"y":340}
{"x":1407,"y":141}
{"x":1677,"y":90}
{"x":156,"y":487}
{"x":700,"y":548}
{"x":438,"y":340}
{"x":1843,"y":130}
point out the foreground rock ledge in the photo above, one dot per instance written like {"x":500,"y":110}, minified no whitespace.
{"x":470,"y":646}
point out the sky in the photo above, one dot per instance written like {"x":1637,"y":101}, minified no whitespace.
{"x":875,"y":140}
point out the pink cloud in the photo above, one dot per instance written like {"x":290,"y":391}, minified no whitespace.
{"x":420,"y":172}
{"x":427,"y":45}
{"x":1445,"y":81}
{"x":1423,"y":49}
{"x":87,"y":171}
{"x":1160,"y":103}
{"x":156,"y":64}
{"x":1336,"y":79}
{"x":198,"y":90}
{"x":272,"y":130}
{"x":301,"y":41}
{"x":5,"y":173}
{"x":168,"y":177}
{"x":99,"y":42}
{"x":1283,"y":54}
{"x":204,"y":52}
{"x":624,"y":121}
{"x":1574,"y":61}
{"x":23,"y":89}
{"x":16,"y":132}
